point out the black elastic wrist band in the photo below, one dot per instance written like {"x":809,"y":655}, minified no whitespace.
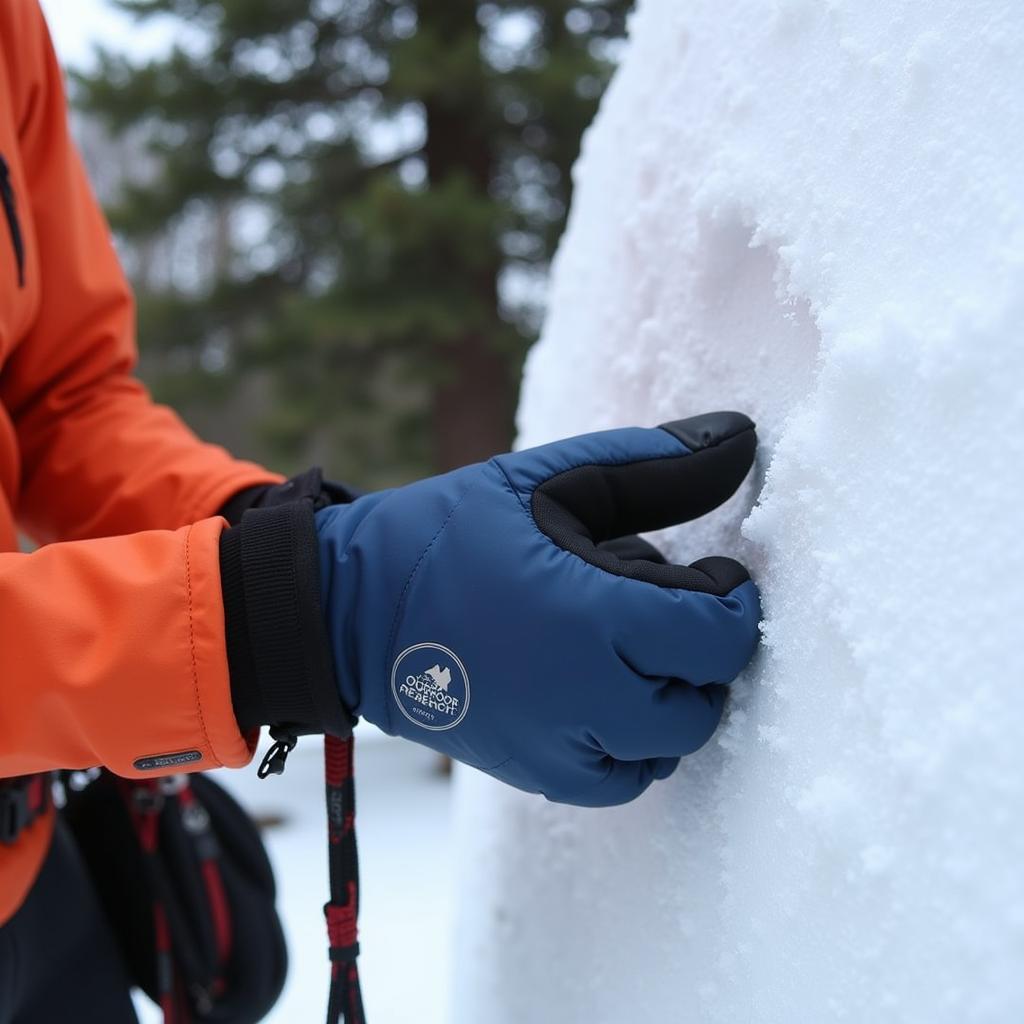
{"x":279,"y":655}
{"x":250,"y":711}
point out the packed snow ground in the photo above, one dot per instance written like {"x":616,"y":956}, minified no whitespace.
{"x":812,"y":212}
{"x":402,"y":811}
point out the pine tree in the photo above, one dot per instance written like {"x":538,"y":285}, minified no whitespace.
{"x":341,"y":212}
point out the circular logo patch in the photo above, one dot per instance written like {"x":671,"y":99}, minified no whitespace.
{"x":431,"y":686}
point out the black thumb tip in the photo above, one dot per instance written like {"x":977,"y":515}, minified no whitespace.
{"x":709,"y":429}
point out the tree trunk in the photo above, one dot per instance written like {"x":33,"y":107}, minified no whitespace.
{"x":473,"y":408}
{"x":473,"y":405}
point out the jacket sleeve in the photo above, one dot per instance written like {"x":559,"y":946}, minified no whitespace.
{"x":112,"y":651}
{"x":99,"y":458}
{"x":112,"y":645}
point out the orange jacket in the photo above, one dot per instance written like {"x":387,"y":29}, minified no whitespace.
{"x":112,"y":641}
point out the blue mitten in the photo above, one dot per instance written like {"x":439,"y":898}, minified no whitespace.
{"x":485,"y":614}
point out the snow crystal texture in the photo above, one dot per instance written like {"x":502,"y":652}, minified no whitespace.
{"x":811,"y":211}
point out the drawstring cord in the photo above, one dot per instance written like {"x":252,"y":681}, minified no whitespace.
{"x":345,"y":999}
{"x":11,"y":213}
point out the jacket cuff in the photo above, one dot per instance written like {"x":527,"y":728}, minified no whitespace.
{"x":279,"y":655}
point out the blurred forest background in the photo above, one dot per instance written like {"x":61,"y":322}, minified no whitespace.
{"x":338,"y":214}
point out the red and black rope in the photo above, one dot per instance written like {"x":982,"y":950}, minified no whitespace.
{"x":346,"y":1001}
{"x":147,"y":801}
{"x":23,"y":801}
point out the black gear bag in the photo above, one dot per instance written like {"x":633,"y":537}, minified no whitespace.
{"x":189,"y":891}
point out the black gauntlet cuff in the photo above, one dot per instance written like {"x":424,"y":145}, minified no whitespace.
{"x":279,"y":656}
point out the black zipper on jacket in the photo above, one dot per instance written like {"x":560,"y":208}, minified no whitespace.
{"x":11,"y":213}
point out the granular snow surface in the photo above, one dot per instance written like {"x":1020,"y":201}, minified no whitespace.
{"x":812,"y":212}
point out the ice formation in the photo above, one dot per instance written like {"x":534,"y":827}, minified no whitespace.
{"x":812,"y":211}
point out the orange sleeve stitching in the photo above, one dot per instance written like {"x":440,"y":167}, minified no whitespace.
{"x":192,"y":644}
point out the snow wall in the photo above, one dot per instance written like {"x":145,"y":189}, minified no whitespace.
{"x":812,"y":211}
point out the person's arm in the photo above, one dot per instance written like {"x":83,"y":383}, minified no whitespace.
{"x":112,"y":652}
{"x":116,"y":651}
{"x":99,"y":457}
